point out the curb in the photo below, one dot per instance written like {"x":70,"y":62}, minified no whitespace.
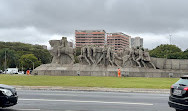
{"x":95,"y":89}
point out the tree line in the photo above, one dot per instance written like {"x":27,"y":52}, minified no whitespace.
{"x":169,"y":52}
{"x":22,"y":55}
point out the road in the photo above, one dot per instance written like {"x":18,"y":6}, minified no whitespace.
{"x":46,"y":100}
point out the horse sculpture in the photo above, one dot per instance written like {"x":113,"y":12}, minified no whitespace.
{"x":64,"y":49}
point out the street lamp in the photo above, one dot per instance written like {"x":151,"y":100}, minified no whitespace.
{"x":5,"y":62}
{"x":31,"y":62}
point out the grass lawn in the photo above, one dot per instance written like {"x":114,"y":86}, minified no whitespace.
{"x":88,"y":81}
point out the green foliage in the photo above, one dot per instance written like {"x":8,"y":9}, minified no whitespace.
{"x":167,"y":51}
{"x":28,"y":60}
{"x":11,"y":58}
{"x":15,"y":50}
{"x":185,"y":54}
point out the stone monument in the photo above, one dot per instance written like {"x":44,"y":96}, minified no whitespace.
{"x":104,"y":61}
{"x":61,"y":52}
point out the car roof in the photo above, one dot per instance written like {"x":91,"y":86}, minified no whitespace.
{"x":6,"y":86}
{"x":184,"y":77}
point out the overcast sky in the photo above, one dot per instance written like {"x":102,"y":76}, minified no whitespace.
{"x":38,"y":21}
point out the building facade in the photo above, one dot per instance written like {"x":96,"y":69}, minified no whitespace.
{"x":90,"y":37}
{"x":136,"y":42}
{"x":118,"y":40}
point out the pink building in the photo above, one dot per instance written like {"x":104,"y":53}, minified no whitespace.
{"x":90,"y":37}
{"x":118,"y":40}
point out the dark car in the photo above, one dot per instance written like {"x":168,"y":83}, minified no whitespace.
{"x":8,"y":96}
{"x":179,"y":94}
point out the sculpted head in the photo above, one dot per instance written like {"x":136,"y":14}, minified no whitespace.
{"x":55,"y":43}
{"x":64,"y":41}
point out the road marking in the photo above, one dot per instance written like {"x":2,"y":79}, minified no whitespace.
{"x":77,"y":101}
{"x":28,"y":109}
{"x":53,"y":94}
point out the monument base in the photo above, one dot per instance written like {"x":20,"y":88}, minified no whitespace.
{"x":85,"y":70}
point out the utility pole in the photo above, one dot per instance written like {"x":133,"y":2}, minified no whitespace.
{"x":5,"y":62}
{"x":33,"y":65}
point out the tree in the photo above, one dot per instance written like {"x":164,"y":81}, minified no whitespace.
{"x":28,"y":60}
{"x":11,"y":58}
{"x":185,"y":54}
{"x":176,"y":55}
{"x":167,"y":51}
{"x":42,"y":55}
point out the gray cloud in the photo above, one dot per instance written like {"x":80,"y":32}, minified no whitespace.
{"x":62,"y":17}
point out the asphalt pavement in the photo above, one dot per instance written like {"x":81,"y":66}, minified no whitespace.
{"x":53,"y":100}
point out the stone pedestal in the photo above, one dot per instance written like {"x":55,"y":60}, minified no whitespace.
{"x":85,"y":70}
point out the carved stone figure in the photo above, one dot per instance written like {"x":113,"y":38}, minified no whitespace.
{"x":61,"y":52}
{"x":140,"y":58}
{"x":126,"y":56}
{"x":109,"y":56}
{"x":84,"y":54}
{"x":116,"y":57}
{"x":54,"y":51}
{"x":103,"y":56}
{"x":147,"y":58}
{"x":90,"y":53}
{"x":132,"y":56}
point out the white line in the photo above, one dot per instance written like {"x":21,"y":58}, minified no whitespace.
{"x":77,"y":101}
{"x":28,"y":109}
{"x":53,"y":94}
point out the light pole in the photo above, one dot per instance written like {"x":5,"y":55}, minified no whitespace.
{"x":5,"y":62}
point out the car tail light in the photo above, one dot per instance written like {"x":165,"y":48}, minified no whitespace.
{"x":186,"y":89}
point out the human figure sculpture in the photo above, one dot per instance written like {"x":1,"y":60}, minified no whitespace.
{"x":97,"y":54}
{"x":147,"y":58}
{"x":64,"y":49}
{"x":90,"y":53}
{"x":114,"y":57}
{"x":140,"y":58}
{"x":126,"y":56}
{"x":132,"y":56}
{"x":84,"y":54}
{"x":109,"y":55}
{"x":54,"y":51}
{"x":103,"y":56}
{"x":94,"y":48}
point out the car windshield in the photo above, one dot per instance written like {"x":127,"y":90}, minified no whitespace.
{"x":182,"y":81}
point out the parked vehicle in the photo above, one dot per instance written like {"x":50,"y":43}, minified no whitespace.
{"x":8,"y":96}
{"x":21,"y":72}
{"x":11,"y":71}
{"x":179,"y":94}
